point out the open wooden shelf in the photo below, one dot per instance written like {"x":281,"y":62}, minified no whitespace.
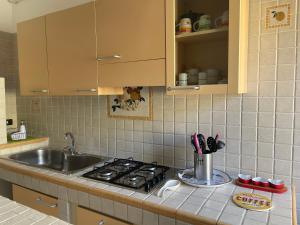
{"x":205,"y":35}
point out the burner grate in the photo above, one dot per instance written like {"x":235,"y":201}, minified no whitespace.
{"x":129,"y":173}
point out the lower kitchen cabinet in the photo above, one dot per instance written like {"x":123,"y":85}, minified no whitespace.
{"x":85,"y":216}
{"x":35,"y":200}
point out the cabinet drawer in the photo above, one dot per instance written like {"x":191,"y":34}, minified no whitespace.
{"x":142,"y":73}
{"x":85,"y":216}
{"x":35,"y":200}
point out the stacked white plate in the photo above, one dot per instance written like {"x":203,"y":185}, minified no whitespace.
{"x":202,"y":78}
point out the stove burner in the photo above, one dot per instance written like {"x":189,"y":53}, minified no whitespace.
{"x":150,"y":168}
{"x":130,"y":173}
{"x":106,"y":173}
{"x":133,"y":178}
{"x":121,"y":168}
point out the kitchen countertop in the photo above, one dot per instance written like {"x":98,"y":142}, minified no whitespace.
{"x":22,"y":143}
{"x":15,"y":213}
{"x":188,"y":204}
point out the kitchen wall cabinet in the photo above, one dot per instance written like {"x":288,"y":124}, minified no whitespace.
{"x":223,"y":48}
{"x":85,"y":216}
{"x":71,"y":47}
{"x":33,"y":73}
{"x":131,"y":42}
{"x":35,"y":200}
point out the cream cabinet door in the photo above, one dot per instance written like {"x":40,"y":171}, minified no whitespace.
{"x":35,"y":200}
{"x":130,"y":31}
{"x":71,"y":46}
{"x":85,"y":216}
{"x":33,"y":72}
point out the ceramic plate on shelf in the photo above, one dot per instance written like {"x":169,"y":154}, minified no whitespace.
{"x":219,"y":178}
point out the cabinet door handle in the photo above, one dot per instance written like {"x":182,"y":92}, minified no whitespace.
{"x":183,"y":88}
{"x":86,"y":90}
{"x":40,"y":91}
{"x":101,"y":222}
{"x":109,"y":57}
{"x":40,"y":201}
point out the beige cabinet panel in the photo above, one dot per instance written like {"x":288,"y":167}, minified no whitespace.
{"x":85,"y":216}
{"x":140,"y":73}
{"x":131,"y":42}
{"x":35,"y":200}
{"x":71,"y":46}
{"x":133,"y":29}
{"x":33,"y":72}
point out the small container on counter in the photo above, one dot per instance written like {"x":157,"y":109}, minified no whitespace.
{"x":244,"y":178}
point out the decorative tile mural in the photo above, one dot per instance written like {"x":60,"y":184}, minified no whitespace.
{"x":278,"y":16}
{"x":136,"y":103}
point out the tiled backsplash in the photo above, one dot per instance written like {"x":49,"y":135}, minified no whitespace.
{"x":3,"y":139}
{"x":261,"y":128}
{"x":9,"y":70}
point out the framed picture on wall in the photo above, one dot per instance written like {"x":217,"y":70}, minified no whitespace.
{"x":136,"y":104}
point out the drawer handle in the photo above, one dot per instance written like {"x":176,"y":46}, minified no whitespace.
{"x":86,"y":90}
{"x":40,"y":201}
{"x":183,"y":88}
{"x":101,"y":222}
{"x":109,"y":57}
{"x":40,"y":91}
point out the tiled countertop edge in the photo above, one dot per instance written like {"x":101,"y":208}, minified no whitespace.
{"x":152,"y":207}
{"x":23,"y":143}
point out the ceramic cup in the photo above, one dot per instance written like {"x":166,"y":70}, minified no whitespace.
{"x":185,"y":25}
{"x":183,"y":78}
{"x":204,"y":23}
{"x":213,"y":76}
{"x":192,"y":76}
{"x":222,"y":20}
{"x":202,"y":76}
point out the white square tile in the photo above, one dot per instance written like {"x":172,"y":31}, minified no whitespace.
{"x":265,"y":150}
{"x":149,"y":218}
{"x":266,"y":119}
{"x":265,"y":165}
{"x":120,"y":210}
{"x":283,"y":167}
{"x":285,"y":88}
{"x":267,"y":89}
{"x":267,"y":73}
{"x":285,"y":72}
{"x":163,"y":220}
{"x":108,"y":206}
{"x":286,"y":55}
{"x":266,"y":104}
{"x":135,"y":215}
{"x":285,"y":105}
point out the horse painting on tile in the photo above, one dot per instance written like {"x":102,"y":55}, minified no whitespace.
{"x":136,"y":103}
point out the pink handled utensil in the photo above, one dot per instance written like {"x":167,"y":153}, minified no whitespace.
{"x":196,"y":142}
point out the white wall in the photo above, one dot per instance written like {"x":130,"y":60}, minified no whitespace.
{"x":28,"y":9}
{"x":6,"y":19}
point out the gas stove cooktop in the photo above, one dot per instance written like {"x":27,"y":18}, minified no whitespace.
{"x":129,"y":173}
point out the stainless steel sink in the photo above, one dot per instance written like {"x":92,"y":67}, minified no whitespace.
{"x":56,"y":160}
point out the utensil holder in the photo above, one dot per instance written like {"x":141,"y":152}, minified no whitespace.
{"x":203,"y":166}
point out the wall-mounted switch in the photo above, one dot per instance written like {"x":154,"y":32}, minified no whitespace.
{"x":9,"y":122}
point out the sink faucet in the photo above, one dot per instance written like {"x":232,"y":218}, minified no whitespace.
{"x":71,"y":148}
